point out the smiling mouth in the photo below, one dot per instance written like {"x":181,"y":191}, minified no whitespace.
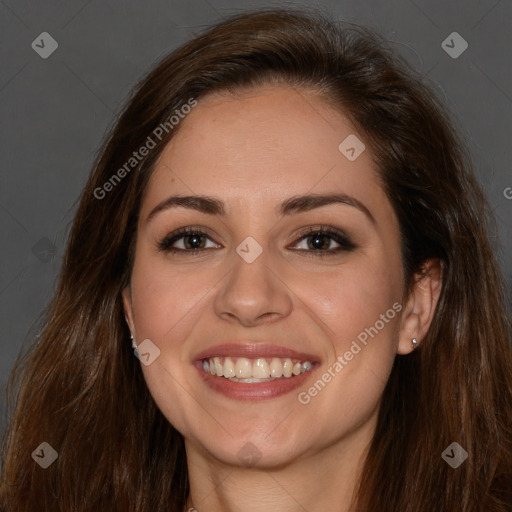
{"x":246,"y":370}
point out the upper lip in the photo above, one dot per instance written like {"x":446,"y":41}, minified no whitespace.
{"x":253,"y":350}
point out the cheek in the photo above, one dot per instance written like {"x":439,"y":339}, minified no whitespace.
{"x":164,"y":296}
{"x":166,"y":304}
{"x":359,"y":306}
{"x":352,"y":299}
{"x":363,"y":323}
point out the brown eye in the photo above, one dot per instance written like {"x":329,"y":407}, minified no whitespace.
{"x":186,"y":240}
{"x":321,"y":241}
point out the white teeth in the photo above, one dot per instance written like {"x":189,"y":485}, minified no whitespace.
{"x":276,"y":368}
{"x":219,"y":370}
{"x":229,"y":368}
{"x":243,"y":368}
{"x":287,"y":368}
{"x":255,"y":370}
{"x":260,"y":369}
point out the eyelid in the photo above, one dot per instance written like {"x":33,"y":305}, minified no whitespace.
{"x":165,"y":244}
{"x":339,"y":236}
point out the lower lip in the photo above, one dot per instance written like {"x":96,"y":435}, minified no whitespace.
{"x":254,"y":390}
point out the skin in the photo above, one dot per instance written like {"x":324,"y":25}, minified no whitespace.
{"x":253,"y":151}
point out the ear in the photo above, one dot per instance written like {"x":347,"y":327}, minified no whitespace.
{"x":420,"y":306}
{"x":128,"y":310}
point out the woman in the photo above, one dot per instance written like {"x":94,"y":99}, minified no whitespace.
{"x":284,"y":227}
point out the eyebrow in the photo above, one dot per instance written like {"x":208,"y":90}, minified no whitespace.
{"x":213,"y":206}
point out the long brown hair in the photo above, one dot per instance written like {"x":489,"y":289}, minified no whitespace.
{"x":81,"y":390}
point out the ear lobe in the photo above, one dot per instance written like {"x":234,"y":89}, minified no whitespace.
{"x":127,"y":308}
{"x":421,"y":306}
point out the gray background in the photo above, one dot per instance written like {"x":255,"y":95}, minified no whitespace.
{"x":55,"y":111}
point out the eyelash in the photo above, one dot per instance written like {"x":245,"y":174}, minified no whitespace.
{"x":345,"y":244}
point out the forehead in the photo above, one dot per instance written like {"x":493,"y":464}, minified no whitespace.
{"x":264,"y":143}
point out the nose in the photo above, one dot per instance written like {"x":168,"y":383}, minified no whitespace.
{"x":253,"y":293}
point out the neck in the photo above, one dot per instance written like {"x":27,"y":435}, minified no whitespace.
{"x":313,"y":482}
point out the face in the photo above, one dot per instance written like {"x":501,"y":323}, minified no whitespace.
{"x":287,"y":284}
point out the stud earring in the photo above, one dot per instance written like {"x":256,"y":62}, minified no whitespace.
{"x":414,"y":343}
